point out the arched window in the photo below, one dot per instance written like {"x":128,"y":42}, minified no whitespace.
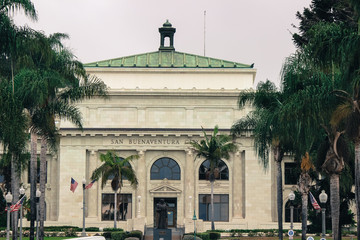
{"x":221,"y":173}
{"x":165,"y":168}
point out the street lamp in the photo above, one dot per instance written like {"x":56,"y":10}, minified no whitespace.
{"x":194,"y":218}
{"x":291,"y":198}
{"x":323,"y":199}
{"x":22,"y":192}
{"x":8,"y":199}
{"x":38,"y":195}
{"x":83,"y":233}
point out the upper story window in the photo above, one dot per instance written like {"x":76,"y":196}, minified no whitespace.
{"x":221,"y":172}
{"x":165,"y":168}
{"x":291,"y":173}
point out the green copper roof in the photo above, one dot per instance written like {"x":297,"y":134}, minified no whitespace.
{"x":167,"y":59}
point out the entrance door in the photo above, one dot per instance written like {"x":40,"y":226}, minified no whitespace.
{"x":171,"y":213}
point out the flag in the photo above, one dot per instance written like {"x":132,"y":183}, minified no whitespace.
{"x":90,"y":184}
{"x":73,"y":185}
{"x":314,"y":202}
{"x":17,"y":206}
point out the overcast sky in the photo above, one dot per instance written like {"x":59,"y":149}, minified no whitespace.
{"x":251,"y":31}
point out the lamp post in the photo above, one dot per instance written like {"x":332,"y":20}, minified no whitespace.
{"x":291,"y":198}
{"x":22,"y":192}
{"x":38,"y":195}
{"x":83,"y":233}
{"x":323,"y":199}
{"x":194,"y":218}
{"x":8,"y":199}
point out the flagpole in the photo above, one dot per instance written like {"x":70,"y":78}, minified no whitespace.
{"x":83,"y":233}
{"x":22,"y":192}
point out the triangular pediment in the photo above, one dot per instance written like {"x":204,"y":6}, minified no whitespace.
{"x":165,"y":189}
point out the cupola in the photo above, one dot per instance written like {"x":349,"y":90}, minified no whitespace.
{"x":167,"y":31}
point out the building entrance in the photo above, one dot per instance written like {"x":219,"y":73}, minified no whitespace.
{"x":171,"y":213}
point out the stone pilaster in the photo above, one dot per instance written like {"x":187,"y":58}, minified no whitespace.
{"x":189,"y":184}
{"x":237,"y":186}
{"x":141,"y":196}
{"x":92,"y":197}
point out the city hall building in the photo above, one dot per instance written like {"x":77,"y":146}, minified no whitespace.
{"x":158,"y":102}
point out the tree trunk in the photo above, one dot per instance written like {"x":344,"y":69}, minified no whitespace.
{"x":304,"y":215}
{"x":15,"y":180}
{"x":304,"y":187}
{"x":115,"y":203}
{"x":335,"y":204}
{"x":212,"y":206}
{"x":42,"y":186}
{"x":33,"y":177}
{"x":278,"y":158}
{"x":357,"y":184}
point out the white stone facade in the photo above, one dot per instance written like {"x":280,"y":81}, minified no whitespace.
{"x":155,"y":112}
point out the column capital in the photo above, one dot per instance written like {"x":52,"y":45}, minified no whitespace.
{"x":189,"y":151}
{"x":141,"y":152}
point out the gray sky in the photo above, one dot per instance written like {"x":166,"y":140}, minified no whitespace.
{"x":251,"y":31}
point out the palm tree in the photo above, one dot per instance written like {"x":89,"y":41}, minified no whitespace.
{"x":50,"y":67}
{"x":269,"y":131}
{"x":118,"y":169}
{"x":9,"y":53}
{"x":214,"y":148}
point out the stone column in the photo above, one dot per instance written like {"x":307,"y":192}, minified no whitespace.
{"x":92,"y":193}
{"x":237,"y":186}
{"x":189,"y":184}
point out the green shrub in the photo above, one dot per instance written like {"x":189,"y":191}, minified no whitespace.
{"x":106,"y":235}
{"x":203,"y":236}
{"x":61,"y":228}
{"x":113,"y":230}
{"x":118,"y":235}
{"x":92,"y":229}
{"x":251,"y":234}
{"x":135,"y":233}
{"x":214,"y":235}
{"x":190,"y":237}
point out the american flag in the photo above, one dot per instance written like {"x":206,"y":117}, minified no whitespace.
{"x":17,"y":206}
{"x":314,"y":202}
{"x":73,"y":185}
{"x":90,"y":184}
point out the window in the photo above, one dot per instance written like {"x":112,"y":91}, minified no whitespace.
{"x":165,"y":168}
{"x":221,"y":174}
{"x":38,"y":172}
{"x":221,"y":207}
{"x":291,"y":173}
{"x":297,"y":212}
{"x":123,"y":208}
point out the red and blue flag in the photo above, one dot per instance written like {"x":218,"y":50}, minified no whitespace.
{"x":73,"y":185}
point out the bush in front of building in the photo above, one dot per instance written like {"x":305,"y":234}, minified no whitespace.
{"x":190,"y":237}
{"x":203,"y":236}
{"x":92,"y":229}
{"x":214,"y":235}
{"x":136,"y":233}
{"x":113,"y":230}
{"x":117,"y":236}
